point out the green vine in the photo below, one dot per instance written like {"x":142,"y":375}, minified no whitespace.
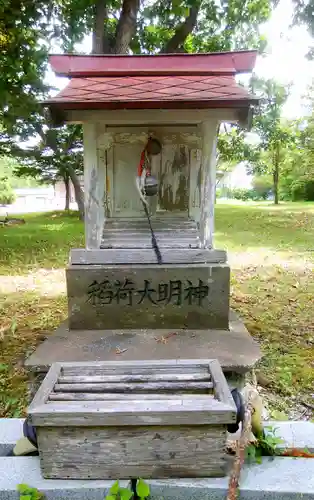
{"x":29,"y":493}
{"x":266,"y":445}
{"x":116,"y":492}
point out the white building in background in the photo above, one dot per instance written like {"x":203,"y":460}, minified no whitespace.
{"x":39,"y":199}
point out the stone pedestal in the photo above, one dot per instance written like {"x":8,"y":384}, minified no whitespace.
{"x":235,"y":349}
{"x":148,"y":296}
{"x":143,"y":311}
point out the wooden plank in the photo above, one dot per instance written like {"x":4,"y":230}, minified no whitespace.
{"x":88,"y":396}
{"x":147,"y":256}
{"x":174,"y":451}
{"x":180,"y":222}
{"x":154,"y":377}
{"x":138,"y":366}
{"x":195,"y":183}
{"x":145,"y":244}
{"x":135,"y":367}
{"x":94,"y":187}
{"x":142,"y":231}
{"x":46,"y":387}
{"x":151,"y":117}
{"x":209,"y":131}
{"x":134,"y":387}
{"x":126,"y":200}
{"x":146,"y":237}
{"x":221,"y":387}
{"x":146,"y":234}
{"x":138,"y":412}
{"x":120,"y":371}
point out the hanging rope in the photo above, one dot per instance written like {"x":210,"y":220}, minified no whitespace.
{"x":154,"y":241}
{"x":147,"y":186}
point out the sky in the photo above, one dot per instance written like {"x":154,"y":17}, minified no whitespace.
{"x":284,"y":60}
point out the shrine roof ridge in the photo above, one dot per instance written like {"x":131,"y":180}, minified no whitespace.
{"x":215,"y":63}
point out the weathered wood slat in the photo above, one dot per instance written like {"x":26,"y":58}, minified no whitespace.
{"x":150,"y":452}
{"x":146,"y":256}
{"x":143,"y":231}
{"x":154,"y":377}
{"x":160,"y":226}
{"x":46,"y":387}
{"x":144,"y":244}
{"x":136,"y":367}
{"x":141,"y":387}
{"x":158,"y":418}
{"x":138,"y":412}
{"x":162,"y":235}
{"x":220,"y":384}
{"x":88,"y":396}
{"x":135,"y":233}
{"x":147,"y":237}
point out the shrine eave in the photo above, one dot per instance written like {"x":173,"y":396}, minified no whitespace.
{"x":222,"y":63}
{"x":173,"y":104}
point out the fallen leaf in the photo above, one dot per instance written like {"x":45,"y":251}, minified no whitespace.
{"x":120,"y":351}
{"x":164,"y":339}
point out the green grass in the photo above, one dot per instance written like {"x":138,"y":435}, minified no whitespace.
{"x":43,"y":242}
{"x":272,"y":287}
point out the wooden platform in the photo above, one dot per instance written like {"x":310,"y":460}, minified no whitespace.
{"x":170,"y":232}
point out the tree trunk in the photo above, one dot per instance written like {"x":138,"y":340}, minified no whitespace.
{"x":98,"y":43}
{"x":276,"y":176}
{"x":126,"y":26}
{"x":79,"y":195}
{"x":183,"y":30}
{"x":66,"y":180}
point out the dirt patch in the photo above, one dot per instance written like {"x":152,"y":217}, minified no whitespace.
{"x":45,"y":282}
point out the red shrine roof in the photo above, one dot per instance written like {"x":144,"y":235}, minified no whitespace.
{"x":168,"y":81}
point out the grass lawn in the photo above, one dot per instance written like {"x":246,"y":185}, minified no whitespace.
{"x":270,"y":252}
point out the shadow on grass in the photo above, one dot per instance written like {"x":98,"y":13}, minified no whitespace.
{"x":43,"y":242}
{"x":46,"y":239}
{"x":255,"y":227}
{"x":25,"y":319}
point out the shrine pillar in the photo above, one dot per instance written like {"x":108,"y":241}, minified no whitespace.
{"x":209,"y":143}
{"x":94,"y":188}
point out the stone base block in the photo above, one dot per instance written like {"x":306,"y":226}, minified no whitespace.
{"x":274,"y":479}
{"x":235,"y":349}
{"x":147,"y":256}
{"x":148,"y":296}
{"x":278,"y":479}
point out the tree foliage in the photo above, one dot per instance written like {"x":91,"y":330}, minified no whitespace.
{"x":24,"y":39}
{"x":275,"y":135}
{"x":59,"y":155}
{"x":298,"y":178}
{"x":304,"y":14}
{"x":29,"y":28}
{"x":162,"y":25}
{"x":7,"y":195}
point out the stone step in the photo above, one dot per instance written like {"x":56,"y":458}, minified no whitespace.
{"x":274,"y":479}
{"x":278,"y":479}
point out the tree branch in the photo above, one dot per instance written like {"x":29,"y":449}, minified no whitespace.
{"x":126,"y":26}
{"x":182,"y":31}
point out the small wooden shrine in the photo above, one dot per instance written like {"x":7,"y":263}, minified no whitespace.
{"x":124,"y":100}
{"x":158,"y":115}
